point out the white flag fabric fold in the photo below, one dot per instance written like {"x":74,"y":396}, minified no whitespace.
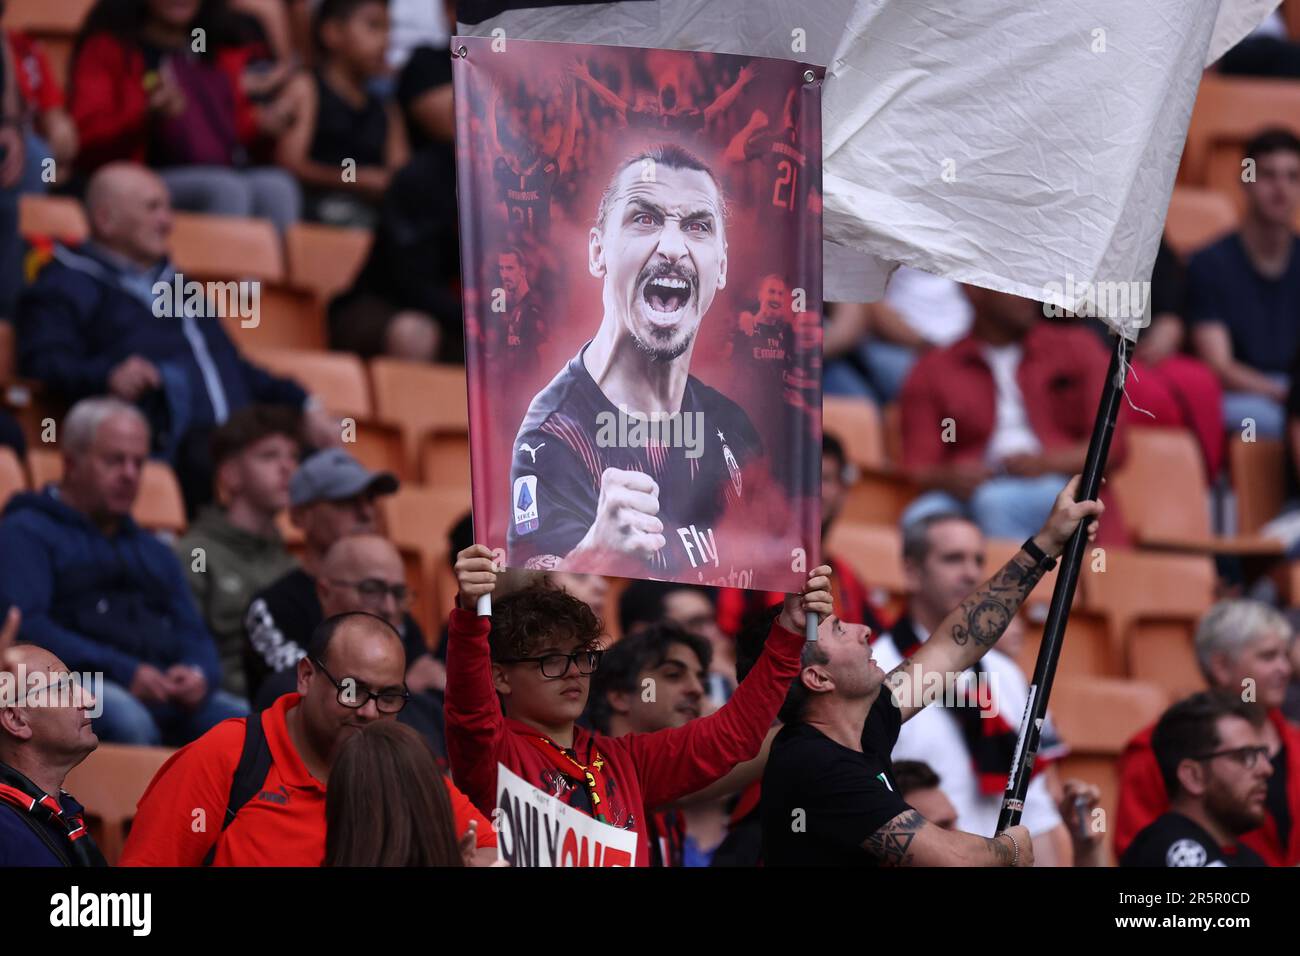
{"x":1027,"y":147}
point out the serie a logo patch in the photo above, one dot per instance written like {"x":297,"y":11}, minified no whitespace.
{"x":525,"y":499}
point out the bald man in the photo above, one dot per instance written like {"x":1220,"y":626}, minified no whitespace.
{"x":350,"y":677}
{"x":45,"y":731}
{"x":364,"y":572}
{"x":103,"y":318}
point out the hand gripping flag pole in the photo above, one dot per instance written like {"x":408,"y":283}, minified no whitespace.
{"x":1049,"y":652}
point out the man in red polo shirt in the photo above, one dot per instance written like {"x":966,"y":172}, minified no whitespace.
{"x":995,"y":424}
{"x":352,"y":675}
{"x":1241,"y":646}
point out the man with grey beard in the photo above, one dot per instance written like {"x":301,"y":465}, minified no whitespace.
{"x":582,"y":502}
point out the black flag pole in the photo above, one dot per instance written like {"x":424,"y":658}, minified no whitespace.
{"x":1049,"y":652}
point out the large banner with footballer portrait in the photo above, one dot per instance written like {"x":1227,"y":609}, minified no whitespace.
{"x":641,"y":246}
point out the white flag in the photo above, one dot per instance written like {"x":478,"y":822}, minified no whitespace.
{"x":1027,"y":147}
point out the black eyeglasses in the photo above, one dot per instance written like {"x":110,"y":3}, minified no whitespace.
{"x":355,"y":695}
{"x":373,"y":589}
{"x":557,"y":665}
{"x":1246,"y":756}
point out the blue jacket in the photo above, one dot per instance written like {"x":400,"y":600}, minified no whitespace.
{"x":99,"y":603}
{"x":86,"y":313}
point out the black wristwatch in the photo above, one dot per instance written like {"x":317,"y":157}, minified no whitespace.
{"x":1038,"y":554}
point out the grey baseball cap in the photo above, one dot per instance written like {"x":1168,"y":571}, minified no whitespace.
{"x":334,"y":475}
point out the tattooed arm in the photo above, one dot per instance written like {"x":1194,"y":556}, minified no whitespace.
{"x":910,"y":840}
{"x":968,"y":632}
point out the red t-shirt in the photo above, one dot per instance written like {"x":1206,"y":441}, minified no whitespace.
{"x":37,"y":85}
{"x":180,"y":814}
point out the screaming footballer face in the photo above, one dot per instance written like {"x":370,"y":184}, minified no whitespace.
{"x":663,"y":254}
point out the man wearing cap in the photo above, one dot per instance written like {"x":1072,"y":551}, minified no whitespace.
{"x":331,"y":496}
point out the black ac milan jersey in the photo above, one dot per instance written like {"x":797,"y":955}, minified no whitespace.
{"x":571,"y":434}
{"x":527,"y":193}
{"x":784,"y":187}
{"x":770,"y":342}
{"x":1175,"y":840}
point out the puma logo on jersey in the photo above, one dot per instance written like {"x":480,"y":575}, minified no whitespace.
{"x":531,"y":450}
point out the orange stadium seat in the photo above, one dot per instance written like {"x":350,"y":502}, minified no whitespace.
{"x":422,"y":517}
{"x":422,"y":400}
{"x":418,"y":520}
{"x":44,"y":466}
{"x":1227,"y":113}
{"x":338,"y":379}
{"x":159,"y":506}
{"x":58,"y":217}
{"x":286,"y":319}
{"x":1196,"y":218}
{"x":109,"y":783}
{"x":1129,"y":585}
{"x":875,"y":552}
{"x":226,"y":247}
{"x":856,"y":423}
{"x":1258,"y":470}
{"x":423,"y":598}
{"x":12,"y":477}
{"x":1161,"y":651}
{"x":1088,"y":651}
{"x":8,"y":353}
{"x":324,"y":260}
{"x":1097,"y":716}
{"x":880,"y":493}
{"x":1162,"y":489}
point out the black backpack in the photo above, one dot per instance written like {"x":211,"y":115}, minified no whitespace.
{"x":250,"y":775}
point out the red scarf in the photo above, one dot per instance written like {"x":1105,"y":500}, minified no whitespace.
{"x":590,"y":773}
{"x":20,"y":792}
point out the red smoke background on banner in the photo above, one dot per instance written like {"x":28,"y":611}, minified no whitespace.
{"x":541,"y":129}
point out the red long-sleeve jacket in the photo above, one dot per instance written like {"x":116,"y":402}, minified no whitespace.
{"x":642,"y":771}
{"x":111,"y":107}
{"x":1061,"y":376}
{"x":1142,"y":796}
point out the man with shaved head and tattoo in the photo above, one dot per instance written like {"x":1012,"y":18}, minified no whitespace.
{"x":829,"y":795}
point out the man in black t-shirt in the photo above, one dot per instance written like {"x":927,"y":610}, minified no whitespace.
{"x":1216,"y":768}
{"x":626,"y":460}
{"x":1243,"y":291}
{"x":829,"y":794}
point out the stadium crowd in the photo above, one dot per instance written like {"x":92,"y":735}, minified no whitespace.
{"x":303,"y":613}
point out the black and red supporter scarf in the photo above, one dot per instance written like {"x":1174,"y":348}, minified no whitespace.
{"x":42,"y":810}
{"x":990,"y":740}
{"x":589,"y":774}
{"x":666,"y":833}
